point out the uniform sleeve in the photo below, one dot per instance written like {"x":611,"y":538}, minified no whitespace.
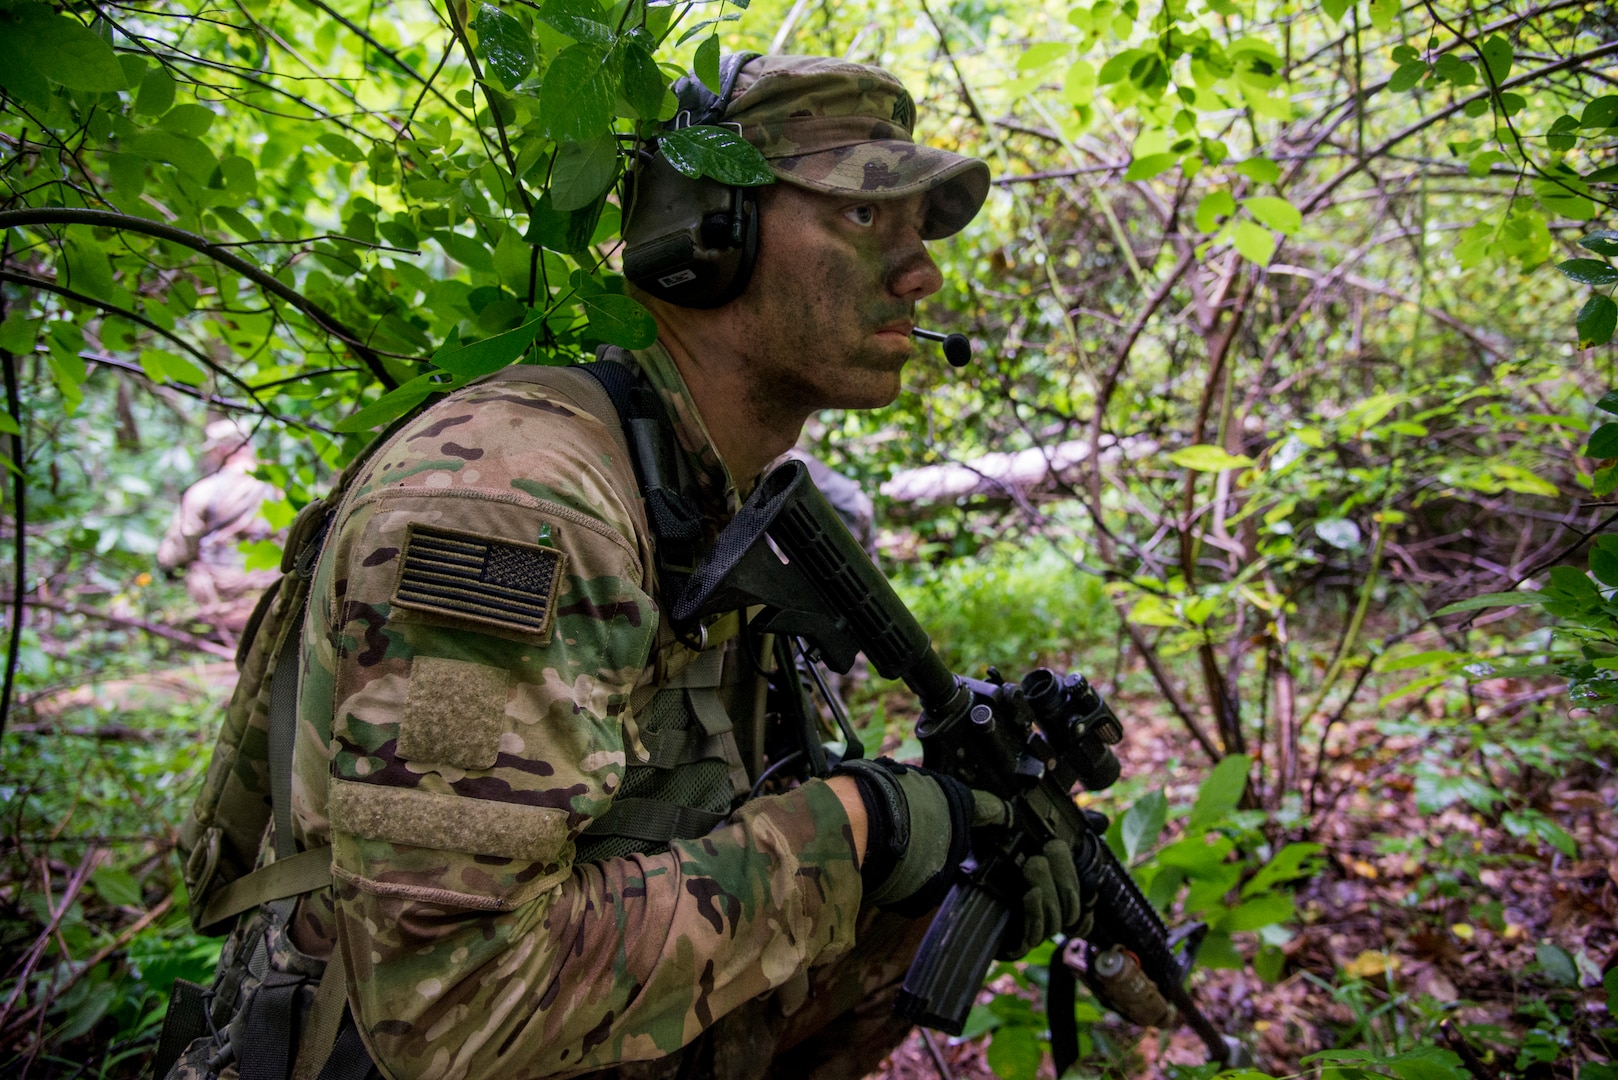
{"x":487,"y":619}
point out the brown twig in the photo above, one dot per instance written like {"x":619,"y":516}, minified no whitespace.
{"x":168,"y":633}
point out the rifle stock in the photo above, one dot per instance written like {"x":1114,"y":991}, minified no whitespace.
{"x":1029,"y":743}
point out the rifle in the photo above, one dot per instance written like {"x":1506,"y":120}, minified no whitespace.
{"x":1030,"y":743}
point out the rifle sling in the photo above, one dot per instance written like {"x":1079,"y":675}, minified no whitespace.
{"x":304,"y":872}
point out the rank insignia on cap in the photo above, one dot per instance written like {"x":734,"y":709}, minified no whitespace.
{"x":478,"y":579}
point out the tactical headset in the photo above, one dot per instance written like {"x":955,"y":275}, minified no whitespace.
{"x":689,"y":242}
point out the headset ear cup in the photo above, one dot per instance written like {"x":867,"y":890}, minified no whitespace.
{"x":747,"y":206}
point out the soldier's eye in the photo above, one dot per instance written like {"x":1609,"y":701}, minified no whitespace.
{"x":863,"y":215}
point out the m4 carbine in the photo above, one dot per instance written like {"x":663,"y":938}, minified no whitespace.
{"x":1030,"y":743}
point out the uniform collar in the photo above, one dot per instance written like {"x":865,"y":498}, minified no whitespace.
{"x":716,"y":488}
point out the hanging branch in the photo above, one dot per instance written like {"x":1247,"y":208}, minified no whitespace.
{"x":110,"y":219}
{"x":19,"y":487}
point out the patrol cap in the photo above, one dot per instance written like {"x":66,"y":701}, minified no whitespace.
{"x":843,"y":128}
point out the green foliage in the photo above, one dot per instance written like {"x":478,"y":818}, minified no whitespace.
{"x":1018,"y":610}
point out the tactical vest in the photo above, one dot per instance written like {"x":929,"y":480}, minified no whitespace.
{"x":272,"y":1010}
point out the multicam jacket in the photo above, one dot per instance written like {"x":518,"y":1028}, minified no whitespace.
{"x":483,"y":627}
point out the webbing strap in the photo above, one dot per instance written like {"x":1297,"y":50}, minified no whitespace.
{"x":267,"y":1045}
{"x":283,"y":720}
{"x":349,"y":1059}
{"x":654,"y":820}
{"x":325,"y":1017}
{"x":304,"y":872}
{"x":680,"y":746}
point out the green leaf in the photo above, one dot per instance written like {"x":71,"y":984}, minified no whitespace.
{"x":1220,"y":792}
{"x":1558,"y":964}
{"x":63,"y":49}
{"x":1604,"y":482}
{"x":117,"y":887}
{"x":394,"y":404}
{"x":191,"y":156}
{"x":1491,"y":600}
{"x":1297,"y":860}
{"x":1482,"y":164}
{"x":1603,"y":442}
{"x":1600,"y":113}
{"x":1457,"y":71}
{"x":1589,"y":271}
{"x":1150,"y":165}
{"x":718,"y":152}
{"x":162,"y":365}
{"x":1560,"y":135}
{"x":569,"y":233}
{"x":1260,"y":170}
{"x":340,"y":148}
{"x":505,"y":44}
{"x":1428,"y":1063}
{"x":619,"y":320}
{"x":1262,"y":911}
{"x":1407,"y":75}
{"x":644,"y":86}
{"x":1497,"y":55}
{"x":1596,"y":321}
{"x":1254,"y":242}
{"x":188,"y":119}
{"x":578,"y":19}
{"x":18,"y":332}
{"x":1142,"y":824}
{"x":490,"y":354}
{"x":1214,"y":205}
{"x":1270,"y":963}
{"x":465,"y":250}
{"x":88,"y":270}
{"x":156,"y":94}
{"x":576,"y":98}
{"x":1336,"y":9}
{"x":1275,"y":212}
{"x":705,"y":63}
{"x":1207,"y":458}
{"x":1602,"y":242}
{"x":1608,"y":402}
{"x":583,"y":172}
{"x":1014,"y":1053}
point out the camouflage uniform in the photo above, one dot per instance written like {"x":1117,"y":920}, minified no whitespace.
{"x":215,"y":515}
{"x":460,"y":729}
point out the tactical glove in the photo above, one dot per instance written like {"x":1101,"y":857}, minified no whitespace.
{"x":918,"y":831}
{"x":1053,"y":901}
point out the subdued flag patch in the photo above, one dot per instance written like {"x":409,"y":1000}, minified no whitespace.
{"x":480,"y":579}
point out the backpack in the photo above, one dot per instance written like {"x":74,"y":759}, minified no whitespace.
{"x":236,"y":845}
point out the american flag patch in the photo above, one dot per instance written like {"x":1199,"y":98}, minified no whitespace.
{"x":478,"y":578}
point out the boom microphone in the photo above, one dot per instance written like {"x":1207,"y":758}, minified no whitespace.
{"x":957,"y":350}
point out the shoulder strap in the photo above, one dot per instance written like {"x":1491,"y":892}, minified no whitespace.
{"x":675,"y":521}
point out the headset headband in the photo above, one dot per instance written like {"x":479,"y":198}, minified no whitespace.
{"x":700,"y":105}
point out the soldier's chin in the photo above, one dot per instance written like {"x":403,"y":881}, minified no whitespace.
{"x":870,"y":389}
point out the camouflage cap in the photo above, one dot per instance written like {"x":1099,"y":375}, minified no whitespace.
{"x":839,"y":127}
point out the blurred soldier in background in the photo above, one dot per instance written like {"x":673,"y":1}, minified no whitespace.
{"x":215,"y":515}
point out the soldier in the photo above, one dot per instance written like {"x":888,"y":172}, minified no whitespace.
{"x":526,"y":778}
{"x":215,"y":515}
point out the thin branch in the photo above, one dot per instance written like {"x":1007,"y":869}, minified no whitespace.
{"x":19,"y":489}
{"x":168,"y":633}
{"x":111,"y":219}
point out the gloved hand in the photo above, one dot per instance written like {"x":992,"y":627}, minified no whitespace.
{"x":1053,"y":902}
{"x":918,"y":831}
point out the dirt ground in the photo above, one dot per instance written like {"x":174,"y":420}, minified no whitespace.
{"x":1380,"y":959}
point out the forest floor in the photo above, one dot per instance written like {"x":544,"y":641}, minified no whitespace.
{"x":1423,"y":929}
{"x":1417,"y":917}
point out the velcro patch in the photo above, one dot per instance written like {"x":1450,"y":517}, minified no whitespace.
{"x":478,"y":579}
{"x":455,"y":713}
